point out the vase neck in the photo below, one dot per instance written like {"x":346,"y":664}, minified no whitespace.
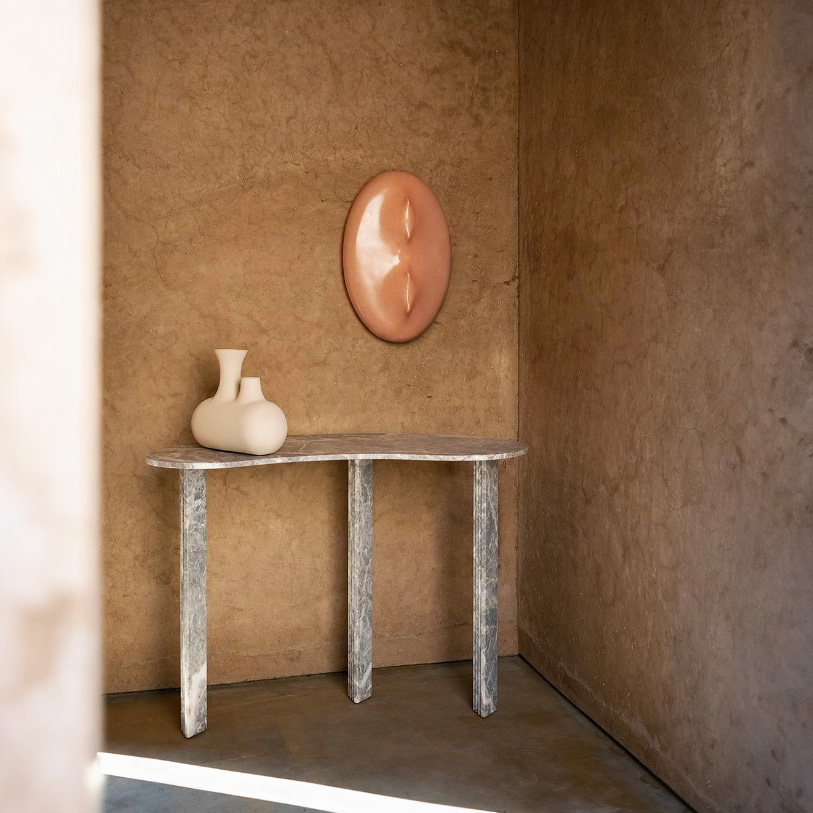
{"x":231,"y":365}
{"x":250,"y":390}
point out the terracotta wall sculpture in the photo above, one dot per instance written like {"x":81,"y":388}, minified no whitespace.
{"x":396,"y":256}
{"x":666,"y":388}
{"x":236,"y":137}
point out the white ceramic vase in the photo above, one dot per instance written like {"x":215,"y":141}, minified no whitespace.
{"x":238,"y":418}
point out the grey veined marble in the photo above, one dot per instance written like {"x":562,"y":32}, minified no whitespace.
{"x":485,"y":587}
{"x":360,"y":579}
{"x":359,"y":450}
{"x":193,"y":602}
{"x":306,"y":448}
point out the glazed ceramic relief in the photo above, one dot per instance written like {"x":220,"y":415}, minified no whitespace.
{"x":396,"y":256}
{"x":238,"y":418}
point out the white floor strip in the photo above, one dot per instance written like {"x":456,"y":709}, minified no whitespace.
{"x":265,"y":788}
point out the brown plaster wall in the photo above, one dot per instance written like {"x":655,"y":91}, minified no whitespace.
{"x":236,"y":135}
{"x":666,"y":383}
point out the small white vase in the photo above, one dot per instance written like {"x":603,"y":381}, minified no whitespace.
{"x":238,"y":418}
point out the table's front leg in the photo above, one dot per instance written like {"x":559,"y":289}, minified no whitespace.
{"x":193,"y":601}
{"x":359,"y":579}
{"x":485,"y":587}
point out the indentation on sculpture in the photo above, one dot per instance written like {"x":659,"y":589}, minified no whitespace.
{"x":408,"y":217}
{"x":396,"y":256}
{"x":408,"y":292}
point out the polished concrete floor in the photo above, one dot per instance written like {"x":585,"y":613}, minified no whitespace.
{"x":416,"y":738}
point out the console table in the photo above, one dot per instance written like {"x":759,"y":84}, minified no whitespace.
{"x":359,"y":450}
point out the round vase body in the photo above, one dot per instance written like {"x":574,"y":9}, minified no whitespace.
{"x":238,"y":418}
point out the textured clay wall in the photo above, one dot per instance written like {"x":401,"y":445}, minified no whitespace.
{"x":236,"y":135}
{"x":666,"y":383}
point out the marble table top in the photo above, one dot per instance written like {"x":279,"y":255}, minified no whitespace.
{"x":307,"y":448}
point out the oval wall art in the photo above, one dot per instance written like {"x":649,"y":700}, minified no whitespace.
{"x":396,"y":256}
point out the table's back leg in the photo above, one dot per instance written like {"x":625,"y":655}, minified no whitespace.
{"x":485,"y":587}
{"x":360,"y":579}
{"x":193,"y":601}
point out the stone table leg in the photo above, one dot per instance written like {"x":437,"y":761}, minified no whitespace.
{"x":485,"y":587}
{"x":359,"y":579}
{"x":193,"y":601}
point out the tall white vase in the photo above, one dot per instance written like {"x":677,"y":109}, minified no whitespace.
{"x":238,"y":418}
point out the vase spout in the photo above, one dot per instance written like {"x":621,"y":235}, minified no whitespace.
{"x":231,"y":366}
{"x":250,"y":390}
